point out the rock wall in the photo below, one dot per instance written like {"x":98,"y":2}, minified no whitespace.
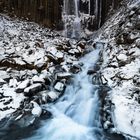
{"x":100,"y":9}
{"x":49,"y":12}
{"x":46,"y":12}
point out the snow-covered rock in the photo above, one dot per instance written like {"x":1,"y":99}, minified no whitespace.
{"x":2,"y":81}
{"x":52,"y":95}
{"x":122,"y":35}
{"x":122,"y":57}
{"x":22,"y":86}
{"x":33,"y":89}
{"x":36,"y":111}
{"x":59,"y":86}
{"x":37,"y":79}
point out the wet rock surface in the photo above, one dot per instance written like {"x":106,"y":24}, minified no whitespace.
{"x":35,"y":67}
{"x":120,"y":71}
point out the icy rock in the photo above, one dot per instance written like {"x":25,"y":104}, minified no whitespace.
{"x":107,"y":124}
{"x":96,"y":80}
{"x":2,"y":51}
{"x":82,"y":44}
{"x":136,"y":80}
{"x":59,"y":86}
{"x":13,"y":83}
{"x":34,"y":71}
{"x":103,"y":80}
{"x":51,"y":57}
{"x":10,"y":51}
{"x":74,"y":51}
{"x":75,"y":68}
{"x":46,"y":78}
{"x":36,"y":111}
{"x":122,"y":57}
{"x":59,"y":55}
{"x":4,"y":76}
{"x":137,"y":42}
{"x":22,"y":86}
{"x":2,"y":81}
{"x":52,"y":95}
{"x":64,"y":75}
{"x":90,"y":72}
{"x":44,"y":96}
{"x":40,"y":63}
{"x":37,"y":79}
{"x":33,"y":89}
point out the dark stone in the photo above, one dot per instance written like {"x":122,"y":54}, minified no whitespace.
{"x":29,"y":91}
{"x":75,"y":69}
{"x":90,"y":72}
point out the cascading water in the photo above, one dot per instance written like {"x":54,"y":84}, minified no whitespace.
{"x":76,"y":114}
{"x":72,"y":25}
{"x":78,"y":15}
{"x":77,"y":20}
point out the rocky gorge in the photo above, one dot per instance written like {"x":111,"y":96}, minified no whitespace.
{"x":87,"y":82}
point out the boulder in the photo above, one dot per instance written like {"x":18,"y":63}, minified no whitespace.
{"x":136,"y":80}
{"x":33,"y":89}
{"x":59,"y":86}
{"x":38,"y":79}
{"x":13,"y":82}
{"x":75,"y":68}
{"x":22,"y":86}
{"x":122,"y":57}
{"x":52,"y":96}
{"x":2,"y":82}
{"x":36,"y":111}
{"x":137,"y":42}
{"x":64,"y":75}
{"x":90,"y":72}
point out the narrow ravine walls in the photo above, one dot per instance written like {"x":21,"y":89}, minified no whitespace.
{"x":92,"y":13}
{"x":46,"y":12}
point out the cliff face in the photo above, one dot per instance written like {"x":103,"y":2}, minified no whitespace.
{"x":100,"y":9}
{"x":46,"y":12}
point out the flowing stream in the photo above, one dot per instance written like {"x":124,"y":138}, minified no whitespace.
{"x":76,"y":114}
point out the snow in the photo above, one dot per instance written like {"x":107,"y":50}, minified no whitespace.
{"x":36,"y":111}
{"x":23,"y":84}
{"x":53,"y":95}
{"x":122,"y":57}
{"x":13,"y":105}
{"x":33,"y":87}
{"x":13,"y":82}
{"x":38,"y":79}
{"x":125,"y":93}
{"x":2,"y":81}
{"x":59,"y":86}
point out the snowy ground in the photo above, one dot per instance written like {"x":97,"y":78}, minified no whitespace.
{"x":35,"y":64}
{"x":121,"y":67}
{"x":31,"y":57}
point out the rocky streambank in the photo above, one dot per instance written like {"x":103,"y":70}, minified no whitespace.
{"x":36,"y":64}
{"x":121,"y":71}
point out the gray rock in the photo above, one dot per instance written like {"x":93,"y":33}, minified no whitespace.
{"x":64,"y":75}
{"x":22,"y":86}
{"x":52,"y":96}
{"x":136,"y":80}
{"x":2,"y":82}
{"x":33,"y":89}
{"x":59,"y":86}
{"x":37,"y":79}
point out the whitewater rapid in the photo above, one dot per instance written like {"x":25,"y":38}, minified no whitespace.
{"x":76,"y":114}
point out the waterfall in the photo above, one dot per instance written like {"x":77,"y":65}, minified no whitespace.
{"x":76,"y":114}
{"x":72,"y":21}
{"x":89,"y":16}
